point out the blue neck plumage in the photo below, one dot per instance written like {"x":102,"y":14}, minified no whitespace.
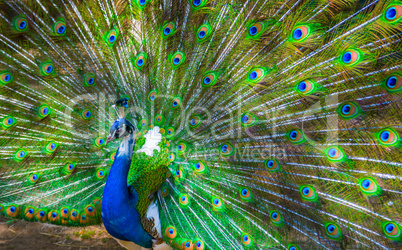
{"x":119,"y":212}
{"x":117,"y":179}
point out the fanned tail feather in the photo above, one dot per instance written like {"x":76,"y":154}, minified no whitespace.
{"x":281,"y":121}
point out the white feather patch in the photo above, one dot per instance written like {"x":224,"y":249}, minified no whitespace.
{"x":153,"y":212}
{"x":152,"y":138}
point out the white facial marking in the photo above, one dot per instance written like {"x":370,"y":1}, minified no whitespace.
{"x":124,"y":148}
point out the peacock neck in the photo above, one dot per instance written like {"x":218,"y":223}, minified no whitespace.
{"x":116,"y":185}
{"x":119,"y":213}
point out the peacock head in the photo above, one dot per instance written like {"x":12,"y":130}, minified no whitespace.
{"x":120,"y":129}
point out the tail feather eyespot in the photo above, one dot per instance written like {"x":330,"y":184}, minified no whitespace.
{"x":20,"y":24}
{"x":203,"y":31}
{"x":272,"y":165}
{"x":248,"y":119}
{"x":276,"y":218}
{"x":88,"y":79}
{"x":111,"y":37}
{"x":392,"y":230}
{"x":351,"y":57}
{"x":369,"y":186}
{"x":54,"y":216}
{"x":152,"y":95}
{"x":388,"y":137}
{"x":20,"y":155}
{"x":227,"y":149}
{"x":308,"y":193}
{"x":256,"y":29}
{"x":6,"y":77}
{"x":43,"y":111}
{"x":99,"y":142}
{"x":217,"y":204}
{"x":140,"y":60}
{"x":333,"y":231}
{"x":100,"y":174}
{"x":59,"y":28}
{"x":177,"y":59}
{"x":246,"y":194}
{"x":393,"y":13}
{"x":184,"y":200}
{"x":199,"y":244}
{"x":246,"y":240}
{"x":296,"y":136}
{"x":175,"y":103}
{"x":170,"y":232}
{"x":335,"y":154}
{"x":300,"y":33}
{"x":29,"y":212}
{"x":47,"y":68}
{"x":168,"y":30}
{"x":195,"y":121}
{"x":13,"y":211}
{"x":196,"y":4}
{"x":51,"y":147}
{"x":393,"y":83}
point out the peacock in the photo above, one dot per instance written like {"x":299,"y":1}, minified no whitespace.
{"x":242,"y":124}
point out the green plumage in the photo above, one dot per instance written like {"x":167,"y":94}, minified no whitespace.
{"x":147,"y":174}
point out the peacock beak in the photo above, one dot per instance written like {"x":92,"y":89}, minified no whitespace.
{"x":110,"y":137}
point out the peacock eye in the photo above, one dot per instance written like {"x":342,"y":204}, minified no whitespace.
{"x":170,"y":232}
{"x":351,"y":57}
{"x":256,"y":30}
{"x":393,"y":13}
{"x":300,"y":33}
{"x":168,"y":30}
{"x":111,"y":36}
{"x":5,"y":77}
{"x":59,"y":28}
{"x":246,"y":240}
{"x":177,"y":59}
{"x":20,"y":24}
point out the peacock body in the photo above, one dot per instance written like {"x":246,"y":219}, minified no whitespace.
{"x":233,"y":124}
